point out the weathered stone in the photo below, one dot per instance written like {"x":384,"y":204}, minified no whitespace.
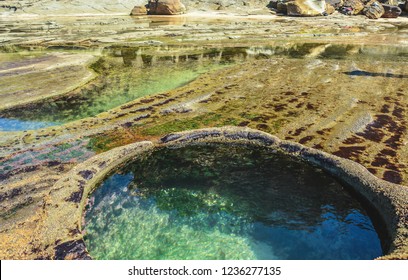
{"x":352,"y":7}
{"x":335,"y":3}
{"x":306,"y":8}
{"x":138,"y":11}
{"x":273,"y":4}
{"x":330,"y":9}
{"x":165,"y":7}
{"x":391,"y":11}
{"x":389,"y":2}
{"x":373,"y":10}
{"x":282,"y":7}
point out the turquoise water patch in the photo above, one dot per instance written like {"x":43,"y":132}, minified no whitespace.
{"x":18,"y":125}
{"x":226,"y":202}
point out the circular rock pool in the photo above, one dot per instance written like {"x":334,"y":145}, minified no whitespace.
{"x":220,"y":201}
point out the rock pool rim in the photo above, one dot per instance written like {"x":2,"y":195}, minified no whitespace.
{"x":388,"y":199}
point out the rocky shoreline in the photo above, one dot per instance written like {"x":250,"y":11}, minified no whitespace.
{"x":356,"y":109}
{"x":371,"y":8}
{"x":65,"y":240}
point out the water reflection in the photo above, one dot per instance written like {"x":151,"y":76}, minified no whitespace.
{"x":128,"y":73}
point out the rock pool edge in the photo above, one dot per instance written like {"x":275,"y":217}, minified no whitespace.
{"x":62,"y":236}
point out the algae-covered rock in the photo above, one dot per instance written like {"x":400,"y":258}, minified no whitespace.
{"x":165,"y":7}
{"x":391,"y":11}
{"x":373,"y":10}
{"x":306,"y":8}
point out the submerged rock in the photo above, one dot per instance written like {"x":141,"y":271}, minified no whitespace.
{"x":165,"y":7}
{"x":306,"y":8}
{"x":391,"y":11}
{"x":138,"y":11}
{"x":373,"y":10}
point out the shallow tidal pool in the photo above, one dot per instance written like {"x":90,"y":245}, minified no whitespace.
{"x":225,"y":202}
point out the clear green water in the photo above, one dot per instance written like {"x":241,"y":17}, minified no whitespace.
{"x":135,"y":72}
{"x":225,"y":202}
{"x":119,"y":87}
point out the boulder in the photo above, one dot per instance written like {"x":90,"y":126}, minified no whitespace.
{"x":273,"y":4}
{"x":373,"y":10}
{"x":138,"y":11}
{"x":335,"y":3}
{"x":330,"y":9}
{"x":306,"y":8}
{"x":352,"y":7}
{"x":282,"y":7}
{"x":389,"y":2}
{"x":165,"y":7}
{"x":391,"y":11}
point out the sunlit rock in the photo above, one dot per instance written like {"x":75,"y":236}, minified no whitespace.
{"x":138,"y":11}
{"x":373,"y":10}
{"x":306,"y":8}
{"x":330,"y":9}
{"x":352,"y":7}
{"x":165,"y":7}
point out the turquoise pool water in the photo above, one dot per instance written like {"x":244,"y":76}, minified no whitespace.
{"x":226,"y":202}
